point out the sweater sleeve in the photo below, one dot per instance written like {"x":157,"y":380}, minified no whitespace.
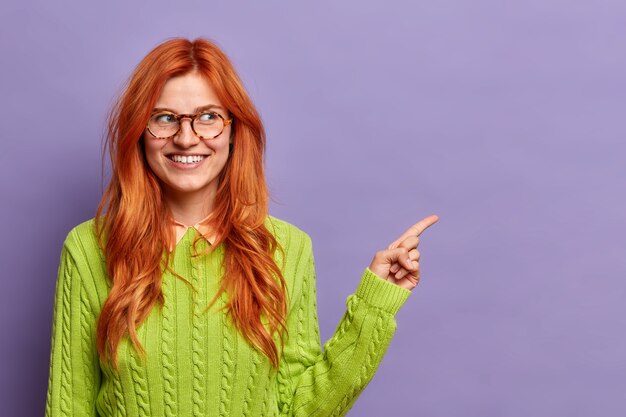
{"x":74,"y":376}
{"x":316,"y":383}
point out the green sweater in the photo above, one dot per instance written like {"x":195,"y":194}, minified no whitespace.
{"x":198,"y":364}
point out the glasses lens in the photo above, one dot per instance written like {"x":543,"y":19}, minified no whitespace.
{"x":208,"y":125}
{"x":163,"y":125}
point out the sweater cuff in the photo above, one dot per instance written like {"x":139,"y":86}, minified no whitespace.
{"x":380,"y":293}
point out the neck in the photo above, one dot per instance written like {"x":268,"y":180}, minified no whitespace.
{"x":190,"y":208}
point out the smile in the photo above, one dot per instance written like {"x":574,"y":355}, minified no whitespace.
{"x":192,"y":159}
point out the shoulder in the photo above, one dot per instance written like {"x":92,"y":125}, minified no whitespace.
{"x":82,"y":242}
{"x":285,"y":231}
{"x":83,"y":262}
{"x":296,"y":258}
{"x":292,"y":238}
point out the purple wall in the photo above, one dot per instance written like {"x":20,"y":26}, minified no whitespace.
{"x":506,"y":119}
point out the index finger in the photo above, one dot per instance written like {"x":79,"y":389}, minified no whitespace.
{"x":416,"y":229}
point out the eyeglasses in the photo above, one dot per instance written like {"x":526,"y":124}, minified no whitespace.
{"x":205,"y":124}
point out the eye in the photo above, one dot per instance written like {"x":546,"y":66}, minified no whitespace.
{"x":208,"y":117}
{"x":164,"y":118}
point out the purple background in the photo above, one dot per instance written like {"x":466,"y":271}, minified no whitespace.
{"x":506,"y":119}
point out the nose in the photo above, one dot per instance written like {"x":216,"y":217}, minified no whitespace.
{"x":185,"y":136}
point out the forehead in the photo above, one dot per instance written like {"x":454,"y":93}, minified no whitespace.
{"x":187,"y":92}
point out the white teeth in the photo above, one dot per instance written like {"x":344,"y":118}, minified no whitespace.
{"x":187,"y":159}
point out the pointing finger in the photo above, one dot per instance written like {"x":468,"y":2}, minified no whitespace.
{"x":415,"y":230}
{"x":410,"y":242}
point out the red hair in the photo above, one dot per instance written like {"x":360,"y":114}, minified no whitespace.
{"x":136,"y":222}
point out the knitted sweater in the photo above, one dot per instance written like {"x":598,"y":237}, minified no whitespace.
{"x":198,"y":364}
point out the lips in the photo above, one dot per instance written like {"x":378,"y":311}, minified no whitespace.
{"x":171,"y":155}
{"x":186,"y":159}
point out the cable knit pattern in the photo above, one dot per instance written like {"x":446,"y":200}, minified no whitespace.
{"x":140,"y":384}
{"x":197,"y":364}
{"x":84,"y":329}
{"x":107,"y":404}
{"x":256,"y":361}
{"x":49,"y":394}
{"x":227,"y":375}
{"x":120,"y":401}
{"x":199,"y":323}
{"x":368,"y":366}
{"x":66,"y":358}
{"x":284,"y":389}
{"x":167,"y":347}
{"x":265,"y":398}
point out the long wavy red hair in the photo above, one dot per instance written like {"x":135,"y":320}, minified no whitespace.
{"x":134,"y":230}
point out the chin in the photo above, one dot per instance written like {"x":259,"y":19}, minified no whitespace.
{"x":189,"y":188}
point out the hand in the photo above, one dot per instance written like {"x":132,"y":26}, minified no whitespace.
{"x":399,"y":262}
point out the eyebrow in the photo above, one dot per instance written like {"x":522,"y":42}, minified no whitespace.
{"x":196,"y":110}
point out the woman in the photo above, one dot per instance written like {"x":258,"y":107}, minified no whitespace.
{"x":154,"y":317}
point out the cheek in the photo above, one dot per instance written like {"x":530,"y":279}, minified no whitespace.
{"x":152,"y":155}
{"x":220,"y":146}
{"x":225,"y":152}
